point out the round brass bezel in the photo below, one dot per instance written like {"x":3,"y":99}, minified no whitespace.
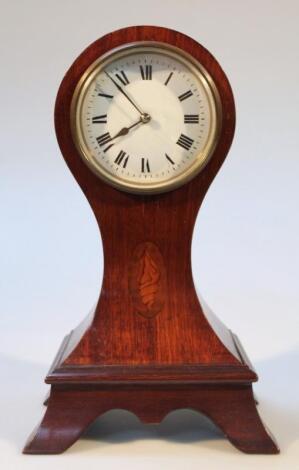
{"x":202,"y":157}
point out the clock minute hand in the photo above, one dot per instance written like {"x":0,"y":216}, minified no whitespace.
{"x":125,"y":94}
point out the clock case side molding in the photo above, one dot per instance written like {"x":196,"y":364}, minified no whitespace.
{"x":176,"y":353}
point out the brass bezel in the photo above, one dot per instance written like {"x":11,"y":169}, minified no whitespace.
{"x":201,"y":159}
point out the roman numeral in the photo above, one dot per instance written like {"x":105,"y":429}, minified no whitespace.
{"x":185,"y":95}
{"x":191,"y":118}
{"x":107,"y":148}
{"x":103,"y":140}
{"x":168,"y":78}
{"x":122,"y":159}
{"x":122,"y":78}
{"x":185,"y":142}
{"x":104,"y":95}
{"x":147,"y":73}
{"x":145,"y":167}
{"x":169,"y":159}
{"x":100,"y":119}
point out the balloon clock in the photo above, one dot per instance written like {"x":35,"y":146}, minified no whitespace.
{"x":144,"y":118}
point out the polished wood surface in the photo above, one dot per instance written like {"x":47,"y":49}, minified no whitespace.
{"x":71,"y":410}
{"x":180,"y":333}
{"x":151,"y":345}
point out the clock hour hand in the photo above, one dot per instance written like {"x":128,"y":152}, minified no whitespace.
{"x":145,"y":118}
{"x":125,"y":94}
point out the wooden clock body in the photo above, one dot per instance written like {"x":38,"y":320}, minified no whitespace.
{"x":151,"y":346}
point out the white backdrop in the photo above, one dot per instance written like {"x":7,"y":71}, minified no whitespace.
{"x":245,"y":249}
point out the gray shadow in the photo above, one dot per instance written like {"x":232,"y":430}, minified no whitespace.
{"x":182,"y":426}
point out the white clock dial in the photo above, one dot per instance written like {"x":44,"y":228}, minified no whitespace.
{"x":145,"y":118}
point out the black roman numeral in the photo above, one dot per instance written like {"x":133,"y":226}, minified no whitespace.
{"x":185,"y":95}
{"x":191,"y":118}
{"x":185,"y":142}
{"x":122,"y":78}
{"x":168,"y":78}
{"x":145,"y":167}
{"x":100,"y":119}
{"x":122,"y":159}
{"x":147,"y":73}
{"x":104,"y":95}
{"x":169,"y":159}
{"x":103,"y":140}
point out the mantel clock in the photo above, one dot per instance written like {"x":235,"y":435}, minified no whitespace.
{"x":144,"y":118}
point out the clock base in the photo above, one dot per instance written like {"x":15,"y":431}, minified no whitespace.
{"x":229,"y":402}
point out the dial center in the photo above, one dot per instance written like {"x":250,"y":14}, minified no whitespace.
{"x":145,"y":117}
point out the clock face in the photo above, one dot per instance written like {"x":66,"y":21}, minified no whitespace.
{"x":146,"y":118}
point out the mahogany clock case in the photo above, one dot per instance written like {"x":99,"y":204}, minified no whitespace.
{"x":148,"y":358}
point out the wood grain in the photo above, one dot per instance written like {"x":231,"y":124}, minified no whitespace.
{"x":151,"y":344}
{"x":66,"y":418}
{"x":180,"y":334}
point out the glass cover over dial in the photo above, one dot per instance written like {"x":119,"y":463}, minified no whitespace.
{"x":146,"y":117}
